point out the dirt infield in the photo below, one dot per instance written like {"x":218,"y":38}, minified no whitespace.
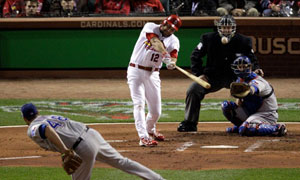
{"x":117,"y":88}
{"x":179,"y":151}
{"x":270,"y":152}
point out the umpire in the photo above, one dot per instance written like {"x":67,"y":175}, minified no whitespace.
{"x":221,"y":48}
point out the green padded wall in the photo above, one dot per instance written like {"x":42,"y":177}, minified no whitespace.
{"x":76,"y":49}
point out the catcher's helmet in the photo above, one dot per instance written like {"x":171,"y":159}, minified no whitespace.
{"x":174,"y":21}
{"x":226,"y":26}
{"x":242,"y":66}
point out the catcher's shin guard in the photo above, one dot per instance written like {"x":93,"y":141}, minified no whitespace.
{"x":247,"y":129}
{"x":267,"y":129}
{"x":228,"y":108}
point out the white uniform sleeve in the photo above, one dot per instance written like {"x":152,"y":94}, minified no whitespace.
{"x":173,"y":45}
{"x":149,"y":28}
{"x":33,"y":132}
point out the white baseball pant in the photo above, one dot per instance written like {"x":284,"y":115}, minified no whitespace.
{"x":145,"y":87}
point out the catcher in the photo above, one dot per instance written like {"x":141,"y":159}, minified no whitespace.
{"x":255,"y":111}
{"x":79,"y":145}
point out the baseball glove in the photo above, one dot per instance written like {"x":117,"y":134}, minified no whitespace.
{"x":239,"y":90}
{"x":70,"y":161}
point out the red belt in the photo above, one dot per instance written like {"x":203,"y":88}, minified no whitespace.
{"x":143,"y":67}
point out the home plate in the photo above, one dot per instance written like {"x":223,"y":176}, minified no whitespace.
{"x":220,"y":147}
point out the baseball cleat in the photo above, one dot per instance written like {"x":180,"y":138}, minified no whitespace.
{"x":281,"y":130}
{"x":157,"y":136}
{"x":147,"y":142}
{"x":233,"y":129}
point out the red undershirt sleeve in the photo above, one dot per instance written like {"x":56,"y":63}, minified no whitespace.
{"x":151,"y":35}
{"x":174,"y":54}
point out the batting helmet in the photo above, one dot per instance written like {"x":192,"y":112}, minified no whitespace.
{"x":229,"y":22}
{"x":174,"y":21}
{"x":242,"y":66}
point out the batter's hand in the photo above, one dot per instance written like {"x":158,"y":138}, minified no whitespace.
{"x":166,"y":58}
{"x":171,"y":65}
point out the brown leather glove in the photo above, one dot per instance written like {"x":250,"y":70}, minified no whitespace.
{"x":239,"y":90}
{"x":70,"y":161}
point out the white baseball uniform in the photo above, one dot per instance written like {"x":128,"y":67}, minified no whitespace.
{"x":143,"y":78}
{"x":260,"y":107}
{"x":91,"y":147}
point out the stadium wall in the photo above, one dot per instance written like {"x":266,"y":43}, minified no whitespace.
{"x":85,"y":47}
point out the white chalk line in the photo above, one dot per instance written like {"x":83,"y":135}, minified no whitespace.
{"x":185,"y":146}
{"x":24,"y":157}
{"x":112,"y":141}
{"x":220,"y":147}
{"x":258,"y":144}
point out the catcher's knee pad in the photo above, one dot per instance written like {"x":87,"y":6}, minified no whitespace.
{"x":228,"y":105}
{"x":228,"y":108}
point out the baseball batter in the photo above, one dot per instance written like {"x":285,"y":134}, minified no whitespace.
{"x":255,"y":112}
{"x":59,"y":134}
{"x":156,"y":44}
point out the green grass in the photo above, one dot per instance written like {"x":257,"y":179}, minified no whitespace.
{"x":41,"y":173}
{"x":102,"y":111}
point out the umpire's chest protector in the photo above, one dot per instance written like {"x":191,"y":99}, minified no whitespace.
{"x":220,"y":56}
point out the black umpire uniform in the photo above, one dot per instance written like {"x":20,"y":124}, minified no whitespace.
{"x":217,"y":70}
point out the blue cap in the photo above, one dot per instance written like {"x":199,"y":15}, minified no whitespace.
{"x":29,"y":110}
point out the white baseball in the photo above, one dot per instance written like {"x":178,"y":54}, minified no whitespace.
{"x":224,"y":40}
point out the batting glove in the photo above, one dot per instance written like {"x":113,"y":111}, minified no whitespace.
{"x":171,"y":65}
{"x":166,"y":58}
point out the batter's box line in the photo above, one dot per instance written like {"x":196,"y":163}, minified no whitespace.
{"x":258,"y":144}
{"x":185,"y":146}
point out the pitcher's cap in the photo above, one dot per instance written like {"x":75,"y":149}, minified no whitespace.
{"x":29,"y":110}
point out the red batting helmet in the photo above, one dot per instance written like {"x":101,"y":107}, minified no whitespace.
{"x":174,"y":21}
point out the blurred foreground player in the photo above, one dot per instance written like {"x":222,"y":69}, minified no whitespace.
{"x":63,"y":135}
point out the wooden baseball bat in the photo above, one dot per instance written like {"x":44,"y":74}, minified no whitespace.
{"x":203,"y":83}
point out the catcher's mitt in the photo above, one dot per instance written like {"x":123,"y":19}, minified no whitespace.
{"x":70,"y":161}
{"x":239,"y":90}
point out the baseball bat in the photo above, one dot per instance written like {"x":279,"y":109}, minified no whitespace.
{"x":203,"y":83}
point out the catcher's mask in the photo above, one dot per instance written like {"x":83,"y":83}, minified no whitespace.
{"x":226,"y":26}
{"x":242,"y":66}
{"x":174,"y":21}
